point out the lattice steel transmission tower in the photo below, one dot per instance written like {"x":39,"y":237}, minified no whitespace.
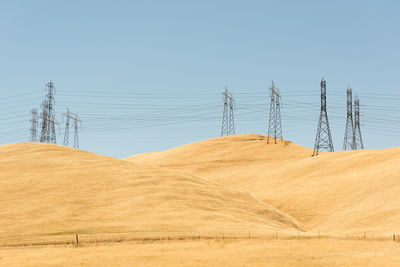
{"x":275,"y":124}
{"x":349,"y":133}
{"x":44,"y":136}
{"x":76,"y":130}
{"x":323,"y":139}
{"x":34,"y":125}
{"x":68,"y":116}
{"x":228,"y":119}
{"x":75,"y":124}
{"x":48,"y":133}
{"x":358,"y":142}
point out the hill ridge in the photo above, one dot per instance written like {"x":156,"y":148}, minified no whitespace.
{"x":338,"y":192}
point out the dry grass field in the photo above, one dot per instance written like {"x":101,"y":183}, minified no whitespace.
{"x":233,"y":201}
{"x":324,"y":252}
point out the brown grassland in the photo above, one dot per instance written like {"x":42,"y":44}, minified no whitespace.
{"x":307,"y":252}
{"x":233,"y":201}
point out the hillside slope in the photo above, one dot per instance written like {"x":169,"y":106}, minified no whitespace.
{"x":50,"y":191}
{"x":335,"y":192}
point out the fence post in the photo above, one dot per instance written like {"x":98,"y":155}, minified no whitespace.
{"x":76,"y":238}
{"x":394,"y":237}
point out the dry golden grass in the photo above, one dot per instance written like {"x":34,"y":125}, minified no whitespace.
{"x":324,"y":252}
{"x":341,"y":192}
{"x":50,"y":192}
{"x":150,"y":209}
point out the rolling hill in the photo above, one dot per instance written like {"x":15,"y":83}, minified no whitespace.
{"x":51,"y":192}
{"x":340,"y":192}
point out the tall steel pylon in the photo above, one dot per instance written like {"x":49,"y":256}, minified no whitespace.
{"x":44,"y":136}
{"x":275,"y":124}
{"x":323,"y":139}
{"x":66,"y":132}
{"x":34,"y":125}
{"x":75,"y":124}
{"x":349,"y":142}
{"x":228,"y":119}
{"x":358,"y":142}
{"x":48,"y":133}
{"x":76,"y":130}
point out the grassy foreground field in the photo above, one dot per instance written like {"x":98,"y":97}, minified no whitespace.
{"x":254,"y":252}
{"x":231,"y":201}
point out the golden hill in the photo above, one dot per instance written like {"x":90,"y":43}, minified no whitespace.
{"x":336,"y":192}
{"x":49,"y":192}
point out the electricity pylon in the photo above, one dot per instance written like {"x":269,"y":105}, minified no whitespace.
{"x":48,"y":134}
{"x":44,"y":136}
{"x":228,"y":120}
{"x":34,"y":125}
{"x":323,"y":139}
{"x":74,"y":117}
{"x":349,"y":133}
{"x":275,"y":124}
{"x":68,"y":116}
{"x":358,"y":142}
{"x":76,"y":130}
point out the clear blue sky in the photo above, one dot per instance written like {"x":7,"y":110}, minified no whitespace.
{"x":148,"y":75}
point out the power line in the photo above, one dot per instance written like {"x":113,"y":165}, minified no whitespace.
{"x":151,"y":111}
